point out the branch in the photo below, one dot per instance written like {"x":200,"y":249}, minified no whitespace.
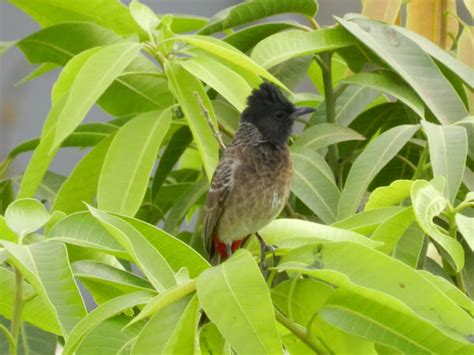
{"x":205,"y":112}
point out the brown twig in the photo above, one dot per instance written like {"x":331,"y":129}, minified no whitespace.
{"x":205,"y":112}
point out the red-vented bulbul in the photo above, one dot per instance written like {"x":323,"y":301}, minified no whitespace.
{"x":252,"y":182}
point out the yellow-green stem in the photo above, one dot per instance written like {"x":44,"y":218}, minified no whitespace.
{"x":17,"y":308}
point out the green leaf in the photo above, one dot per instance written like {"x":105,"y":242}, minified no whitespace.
{"x":46,"y":266}
{"x":247,"y":38}
{"x":413,"y":65}
{"x":6,"y":233}
{"x":466,"y":227}
{"x":5,"y":46}
{"x":182,"y":205}
{"x":448,"y":151}
{"x":222,"y":79}
{"x":461,"y":70}
{"x":142,"y":252}
{"x":36,"y":311}
{"x":32,"y":340}
{"x":101,"y":313}
{"x":324,"y":134}
{"x":129,"y":161}
{"x":288,"y":232}
{"x":374,"y":157}
{"x":236,"y":286}
{"x":391,"y":195}
{"x":81,"y":184}
{"x":212,"y":342}
{"x":392,"y":229}
{"x":286,"y":45}
{"x":95,"y":76}
{"x":187,"y":23}
{"x":301,"y":299}
{"x":84,"y":230}
{"x":314,"y":183}
{"x":51,"y":12}
{"x":39,"y":71}
{"x":173,"y":151}
{"x":109,"y":337}
{"x":375,"y":276}
{"x":251,"y":11}
{"x":428,"y":203}
{"x":367,"y":222}
{"x":7,"y":195}
{"x":144,"y":17}
{"x":450,"y":290}
{"x":178,"y":254}
{"x":25,"y":216}
{"x":389,"y":84}
{"x":184,"y":85}
{"x":229,"y":53}
{"x":172,"y":330}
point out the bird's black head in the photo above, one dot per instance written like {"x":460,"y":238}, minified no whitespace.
{"x":272,"y":113}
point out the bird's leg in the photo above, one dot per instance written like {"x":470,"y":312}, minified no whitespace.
{"x":263,"y":249}
{"x":228,"y":249}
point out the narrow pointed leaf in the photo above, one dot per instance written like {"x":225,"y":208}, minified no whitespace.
{"x":466,"y":227}
{"x":413,"y":65}
{"x":325,"y":134}
{"x":251,"y":11}
{"x":314,"y":183}
{"x":391,"y":195}
{"x":392,"y":229}
{"x":129,"y":161}
{"x":144,"y":17}
{"x":96,"y":75}
{"x":101,"y":313}
{"x":222,"y":79}
{"x":286,"y":45}
{"x":184,"y":85}
{"x":237,"y":286}
{"x":142,"y":252}
{"x":448,"y":151}
{"x":389,"y":84}
{"x":374,"y":157}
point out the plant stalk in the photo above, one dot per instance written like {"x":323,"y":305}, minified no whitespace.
{"x":299,"y":332}
{"x":17,"y":309}
{"x":330,"y":99}
{"x":421,"y":163}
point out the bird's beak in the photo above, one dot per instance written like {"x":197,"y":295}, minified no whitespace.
{"x":300,"y":111}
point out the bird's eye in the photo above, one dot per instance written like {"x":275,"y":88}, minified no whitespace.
{"x":280,"y":115}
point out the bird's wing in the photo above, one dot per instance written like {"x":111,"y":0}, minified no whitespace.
{"x":222,"y":185}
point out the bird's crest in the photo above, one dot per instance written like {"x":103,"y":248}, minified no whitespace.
{"x":267,"y":93}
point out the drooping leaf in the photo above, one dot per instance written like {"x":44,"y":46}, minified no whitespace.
{"x":413,"y":65}
{"x":101,"y":313}
{"x":324,"y":134}
{"x":285,"y":45}
{"x":314,"y":183}
{"x":237,"y":286}
{"x":374,"y":157}
{"x":46,"y":266}
{"x":251,"y":11}
{"x":391,"y":85}
{"x":428,"y":203}
{"x":129,"y":161}
{"x":141,"y":251}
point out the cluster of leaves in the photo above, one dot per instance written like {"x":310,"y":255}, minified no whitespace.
{"x":383,"y":174}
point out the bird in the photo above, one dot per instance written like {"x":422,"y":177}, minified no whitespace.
{"x":251,"y":183}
